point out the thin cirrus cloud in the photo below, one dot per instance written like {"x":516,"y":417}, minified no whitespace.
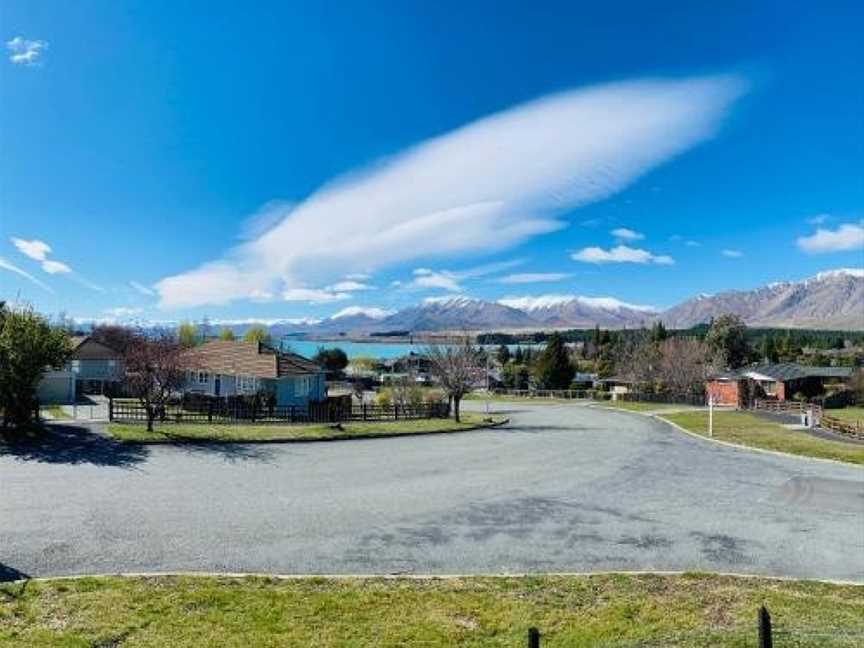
{"x":481,"y":188}
{"x":11,"y":267}
{"x":24,"y":51}
{"x":39,"y":251}
{"x":846,"y":238}
{"x":620,"y":254}
{"x":313,"y":295}
{"x":732,"y":254}
{"x":142,"y":289}
{"x":534,"y":277}
{"x":625,"y":234}
{"x":349,"y":285}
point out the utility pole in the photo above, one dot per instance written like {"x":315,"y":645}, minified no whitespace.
{"x":711,"y":416}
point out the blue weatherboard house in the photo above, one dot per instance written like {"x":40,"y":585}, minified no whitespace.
{"x":234,"y":368}
{"x":93,"y":368}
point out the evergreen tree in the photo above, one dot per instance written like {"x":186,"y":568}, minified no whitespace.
{"x":553,"y":369}
{"x":726,"y":337}
{"x":518,"y":356}
{"x":503,"y":355}
{"x":658,"y":332}
{"x":769,"y":348}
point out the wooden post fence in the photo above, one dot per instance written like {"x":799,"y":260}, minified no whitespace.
{"x":533,"y":638}
{"x":765,"y":639}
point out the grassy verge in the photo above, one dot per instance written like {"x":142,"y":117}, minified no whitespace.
{"x":273,"y":432}
{"x":643,"y":406}
{"x":604,"y":610}
{"x":747,"y":429}
{"x":56,"y":412}
{"x":851,"y":414}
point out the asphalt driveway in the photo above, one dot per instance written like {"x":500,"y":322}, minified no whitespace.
{"x":562,"y":488}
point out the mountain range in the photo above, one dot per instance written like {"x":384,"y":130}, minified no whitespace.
{"x":829,"y":300}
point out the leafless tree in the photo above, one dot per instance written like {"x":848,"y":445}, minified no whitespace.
{"x":683,"y":365}
{"x":457,"y":367}
{"x":154,"y":371}
{"x":636,"y":358}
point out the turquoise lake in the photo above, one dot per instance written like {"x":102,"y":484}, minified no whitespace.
{"x":381,"y":350}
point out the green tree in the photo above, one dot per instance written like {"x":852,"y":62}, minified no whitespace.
{"x":333,"y":360}
{"x":769,"y":348}
{"x":553,"y":369}
{"x":187,"y":335}
{"x":503,"y":355}
{"x":658,"y":332}
{"x":727,"y":339}
{"x":28,"y":345}
{"x":227,"y":335}
{"x":257,"y":333}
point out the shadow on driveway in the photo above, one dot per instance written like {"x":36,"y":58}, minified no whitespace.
{"x":72,"y":444}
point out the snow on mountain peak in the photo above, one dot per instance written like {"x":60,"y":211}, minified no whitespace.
{"x":370,"y":312}
{"x":858,"y":273}
{"x":541,"y":302}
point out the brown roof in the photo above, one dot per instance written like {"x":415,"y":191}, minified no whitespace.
{"x":86,"y":348}
{"x":247,"y":359}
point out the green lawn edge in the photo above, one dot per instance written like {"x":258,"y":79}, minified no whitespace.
{"x":745,"y":429}
{"x":299,"y":433}
{"x":685,"y":610}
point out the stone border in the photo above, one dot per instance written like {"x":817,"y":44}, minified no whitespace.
{"x":182,"y":441}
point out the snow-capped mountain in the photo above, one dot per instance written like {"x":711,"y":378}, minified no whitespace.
{"x":829,"y":300}
{"x":581,"y":312}
{"x":458,"y":313}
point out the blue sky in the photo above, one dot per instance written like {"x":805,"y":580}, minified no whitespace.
{"x":294,"y":159}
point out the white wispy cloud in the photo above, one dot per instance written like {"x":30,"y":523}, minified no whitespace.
{"x":349,"y":286}
{"x":479,"y":189}
{"x":732,"y":254}
{"x":39,"y":251}
{"x":534,"y":277}
{"x":625,"y":234}
{"x":847,"y":237}
{"x":369,"y":311}
{"x":142,"y":289}
{"x":11,"y":267}
{"x":313,"y":295}
{"x":425,"y":278}
{"x":819,"y":219}
{"x":620,"y":254}
{"x":24,"y":51}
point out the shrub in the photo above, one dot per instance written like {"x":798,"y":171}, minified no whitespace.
{"x":384,"y":398}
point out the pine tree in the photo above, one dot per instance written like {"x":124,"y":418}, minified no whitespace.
{"x":503,"y":355}
{"x":553,"y":369}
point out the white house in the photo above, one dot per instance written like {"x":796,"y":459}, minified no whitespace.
{"x":93,"y":368}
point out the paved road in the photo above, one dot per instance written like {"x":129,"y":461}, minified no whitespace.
{"x":562,"y":488}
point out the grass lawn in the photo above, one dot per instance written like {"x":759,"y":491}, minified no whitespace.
{"x":56,"y":412}
{"x":643,"y":406}
{"x":747,"y":429}
{"x":573,"y":611}
{"x":137,"y":432}
{"x":847,"y":413}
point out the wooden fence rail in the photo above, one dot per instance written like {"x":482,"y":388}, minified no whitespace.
{"x":326,"y":412}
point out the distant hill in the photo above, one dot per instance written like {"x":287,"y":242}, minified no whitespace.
{"x":830,"y":300}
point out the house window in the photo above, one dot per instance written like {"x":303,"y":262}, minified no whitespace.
{"x":203,"y":377}
{"x":248,"y":384}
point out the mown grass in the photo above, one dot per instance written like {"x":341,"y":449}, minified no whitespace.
{"x":178,"y":432}
{"x":847,"y":413}
{"x":573,"y":611}
{"x":56,"y":412}
{"x":747,"y":429}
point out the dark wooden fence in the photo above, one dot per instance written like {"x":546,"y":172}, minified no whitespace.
{"x":598,"y":395}
{"x":324,"y":412}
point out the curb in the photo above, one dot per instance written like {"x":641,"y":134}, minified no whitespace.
{"x":444,"y":577}
{"x":181,"y":441}
{"x":738,"y":446}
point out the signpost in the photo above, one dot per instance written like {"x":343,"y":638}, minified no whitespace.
{"x":711,"y":416}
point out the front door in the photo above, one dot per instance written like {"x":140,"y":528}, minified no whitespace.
{"x":217,"y":385}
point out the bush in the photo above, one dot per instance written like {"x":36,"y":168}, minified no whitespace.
{"x":384,"y":398}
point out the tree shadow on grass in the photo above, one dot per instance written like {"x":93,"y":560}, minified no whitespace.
{"x":9,"y":574}
{"x":71,"y":444}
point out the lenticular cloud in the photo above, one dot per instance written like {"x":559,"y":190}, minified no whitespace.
{"x":485,"y":186}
